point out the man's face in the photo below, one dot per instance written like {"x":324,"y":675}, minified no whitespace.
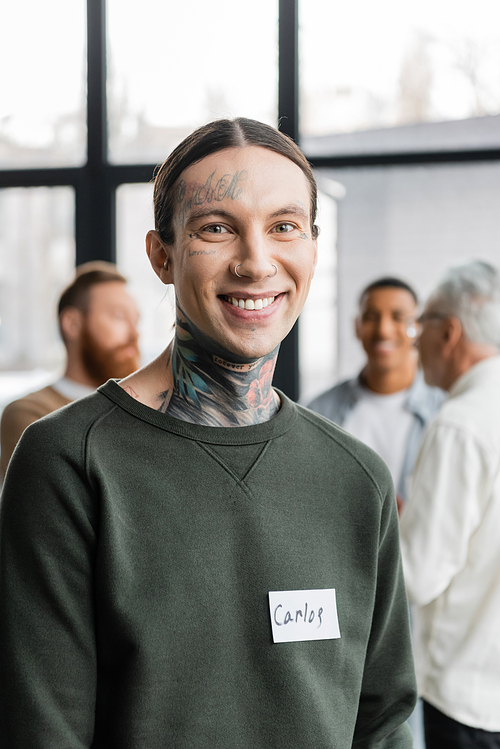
{"x":246,"y":208}
{"x":109,"y":334}
{"x":386,"y":327}
{"x":430,"y":347}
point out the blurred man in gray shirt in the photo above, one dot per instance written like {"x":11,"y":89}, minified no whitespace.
{"x":388,"y":404}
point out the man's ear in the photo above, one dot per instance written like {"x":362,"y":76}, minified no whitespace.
{"x":315,"y":255}
{"x":71,"y":323}
{"x":452,"y":334}
{"x":357,"y":327}
{"x":159,"y":256}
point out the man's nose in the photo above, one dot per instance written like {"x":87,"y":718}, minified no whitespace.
{"x":385,"y":327}
{"x":253,"y":259}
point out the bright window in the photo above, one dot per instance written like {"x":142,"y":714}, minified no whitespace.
{"x":174,"y":66}
{"x":37,"y":259}
{"x":368,"y":64}
{"x":42,"y":85}
{"x":156,"y":302}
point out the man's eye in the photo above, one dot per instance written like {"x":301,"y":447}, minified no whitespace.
{"x":284,"y":228}
{"x":216,"y":229}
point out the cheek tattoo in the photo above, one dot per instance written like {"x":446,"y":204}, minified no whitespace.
{"x":194,"y":235}
{"x":303,"y":235}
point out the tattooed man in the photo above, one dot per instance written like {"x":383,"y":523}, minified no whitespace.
{"x":189,"y":559}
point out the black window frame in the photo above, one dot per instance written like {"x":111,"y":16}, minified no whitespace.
{"x":95,"y":183}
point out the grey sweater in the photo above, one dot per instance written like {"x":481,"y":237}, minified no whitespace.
{"x":137,"y":553}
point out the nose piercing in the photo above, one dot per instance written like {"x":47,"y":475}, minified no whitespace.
{"x":240,"y":275}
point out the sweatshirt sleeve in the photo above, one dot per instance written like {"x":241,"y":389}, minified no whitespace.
{"x":47,"y":642}
{"x":388,"y":693}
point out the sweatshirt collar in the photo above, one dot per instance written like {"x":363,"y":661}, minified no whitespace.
{"x":256,"y":433}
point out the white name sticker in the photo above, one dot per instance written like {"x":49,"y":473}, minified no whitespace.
{"x":298,"y":615}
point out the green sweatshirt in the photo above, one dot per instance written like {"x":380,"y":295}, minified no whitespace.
{"x":137,"y":554}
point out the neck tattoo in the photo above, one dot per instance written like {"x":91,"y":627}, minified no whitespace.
{"x":213,"y":387}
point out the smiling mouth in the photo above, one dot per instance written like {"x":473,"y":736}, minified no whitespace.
{"x":251,"y":304}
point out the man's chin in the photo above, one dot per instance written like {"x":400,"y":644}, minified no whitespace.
{"x":384,"y":360}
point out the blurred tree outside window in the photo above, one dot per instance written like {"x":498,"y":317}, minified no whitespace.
{"x":189,"y":63}
{"x":42,"y":84}
{"x":386,"y":64}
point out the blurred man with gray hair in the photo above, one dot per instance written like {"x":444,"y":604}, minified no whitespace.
{"x":451,"y":527}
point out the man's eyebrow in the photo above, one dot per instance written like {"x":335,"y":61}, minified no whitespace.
{"x":293,"y":210}
{"x":205,"y":212}
{"x":287,"y":210}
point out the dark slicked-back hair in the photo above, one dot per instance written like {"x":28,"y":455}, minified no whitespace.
{"x":87,"y":275}
{"x":388,"y":282}
{"x":213,"y":137}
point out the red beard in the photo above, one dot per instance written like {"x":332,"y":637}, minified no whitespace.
{"x":103,"y":364}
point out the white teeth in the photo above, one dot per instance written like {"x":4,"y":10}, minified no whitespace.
{"x":251,"y":303}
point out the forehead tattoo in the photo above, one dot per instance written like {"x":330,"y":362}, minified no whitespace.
{"x":195,"y":194}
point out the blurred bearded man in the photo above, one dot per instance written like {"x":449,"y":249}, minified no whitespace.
{"x":98,"y":324}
